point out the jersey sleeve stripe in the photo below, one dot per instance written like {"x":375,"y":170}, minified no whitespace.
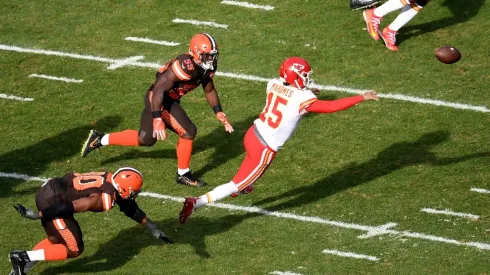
{"x":179,"y":72}
{"x":106,"y":201}
{"x":305,"y":104}
{"x":59,"y":224}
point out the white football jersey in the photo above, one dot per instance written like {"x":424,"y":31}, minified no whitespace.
{"x":285,"y":105}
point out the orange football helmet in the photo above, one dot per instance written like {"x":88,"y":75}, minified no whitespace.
{"x":128,"y":182}
{"x":296,"y":72}
{"x":204,"y":51}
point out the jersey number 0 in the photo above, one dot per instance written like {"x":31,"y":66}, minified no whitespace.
{"x":272,"y":114}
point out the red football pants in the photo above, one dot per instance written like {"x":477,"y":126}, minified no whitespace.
{"x":259,"y":157}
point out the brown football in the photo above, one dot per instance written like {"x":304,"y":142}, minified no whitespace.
{"x":448,"y":54}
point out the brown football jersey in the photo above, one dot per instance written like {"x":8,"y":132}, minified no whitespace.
{"x":189,"y":73}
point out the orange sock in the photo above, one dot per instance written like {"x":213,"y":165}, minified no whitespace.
{"x":55,"y":252}
{"x":184,"y":152}
{"x":124,"y":138}
{"x":42,"y":244}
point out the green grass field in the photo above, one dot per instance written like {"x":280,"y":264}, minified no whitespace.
{"x":341,"y":176}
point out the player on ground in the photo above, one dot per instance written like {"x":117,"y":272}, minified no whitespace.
{"x":288,"y":99}
{"x":373,"y":18}
{"x":162,"y":110}
{"x":60,"y":198}
{"x":362,"y":4}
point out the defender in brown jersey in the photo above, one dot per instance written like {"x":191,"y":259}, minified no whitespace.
{"x":60,"y":198}
{"x":162,"y":110}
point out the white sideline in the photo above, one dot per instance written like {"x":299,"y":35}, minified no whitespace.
{"x":69,"y":80}
{"x":350,"y":255}
{"x":247,"y":5}
{"x":131,"y":62}
{"x":450,"y":213}
{"x":148,"y":40}
{"x":379,"y":229}
{"x":198,"y":23}
{"x":479,"y":190}
{"x":13,"y":97}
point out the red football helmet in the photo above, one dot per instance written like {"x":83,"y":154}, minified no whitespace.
{"x":296,"y":72}
{"x":128,"y":182}
{"x":204,"y":51}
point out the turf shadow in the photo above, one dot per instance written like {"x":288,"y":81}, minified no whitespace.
{"x":395,"y":157}
{"x":35,"y":159}
{"x":226,"y":147}
{"x":462,"y":11}
{"x":128,"y":243}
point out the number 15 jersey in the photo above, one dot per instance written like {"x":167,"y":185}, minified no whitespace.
{"x":285,"y":106}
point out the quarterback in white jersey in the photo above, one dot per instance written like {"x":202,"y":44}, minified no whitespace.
{"x":284,"y":108}
{"x":288,"y":99}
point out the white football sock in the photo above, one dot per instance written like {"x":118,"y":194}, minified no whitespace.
{"x":182,"y":171}
{"x":104,"y":140}
{"x":36,"y":255}
{"x":403,"y":18}
{"x":389,"y":6}
{"x":217,"y":194}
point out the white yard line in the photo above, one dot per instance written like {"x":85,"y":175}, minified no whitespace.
{"x":379,"y":229}
{"x":65,"y":79}
{"x":479,"y":190}
{"x":13,"y":97}
{"x":350,"y":255}
{"x":151,"y":41}
{"x":450,"y":213}
{"x":131,"y":62}
{"x":199,"y":23}
{"x":247,"y":5}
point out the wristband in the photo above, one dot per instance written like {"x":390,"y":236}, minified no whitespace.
{"x":217,"y":108}
{"x":156,"y":114}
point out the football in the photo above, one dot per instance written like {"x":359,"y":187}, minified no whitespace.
{"x":448,"y":54}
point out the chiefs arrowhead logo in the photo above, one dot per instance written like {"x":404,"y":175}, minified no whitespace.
{"x":297,"y":67}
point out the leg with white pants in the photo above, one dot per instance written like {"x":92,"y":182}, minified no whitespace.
{"x":259,"y":157}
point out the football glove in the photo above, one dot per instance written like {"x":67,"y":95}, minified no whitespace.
{"x":222,"y":117}
{"x":159,"y":129}
{"x":157,"y":233}
{"x":26,"y":212}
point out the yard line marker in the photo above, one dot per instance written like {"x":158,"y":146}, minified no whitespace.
{"x":13,"y":97}
{"x":148,"y":40}
{"x":198,"y":23}
{"x":450,"y":213}
{"x":350,"y":255}
{"x":21,"y":176}
{"x":479,"y":190}
{"x":129,"y":62}
{"x":479,"y":245}
{"x":247,"y":5}
{"x":70,"y":80}
{"x":284,"y":273}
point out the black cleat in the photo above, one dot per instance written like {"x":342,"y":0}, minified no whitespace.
{"x":92,"y":142}
{"x":189,"y":179}
{"x":18,"y":259}
{"x":362,"y":4}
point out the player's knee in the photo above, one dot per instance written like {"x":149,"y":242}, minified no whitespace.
{"x":147,"y":139}
{"x":421,"y":3}
{"x":191,"y":131}
{"x":75,"y":250}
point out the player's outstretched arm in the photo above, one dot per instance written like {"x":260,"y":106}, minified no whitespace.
{"x":131,"y":209}
{"x":213,"y":100}
{"x":157,"y":233}
{"x":327,"y":106}
{"x":163,"y":85}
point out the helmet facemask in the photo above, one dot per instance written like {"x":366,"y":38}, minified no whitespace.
{"x":208,"y":60}
{"x":303,"y":80}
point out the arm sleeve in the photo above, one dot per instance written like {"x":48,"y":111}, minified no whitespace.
{"x":130,"y":208}
{"x":325,"y":106}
